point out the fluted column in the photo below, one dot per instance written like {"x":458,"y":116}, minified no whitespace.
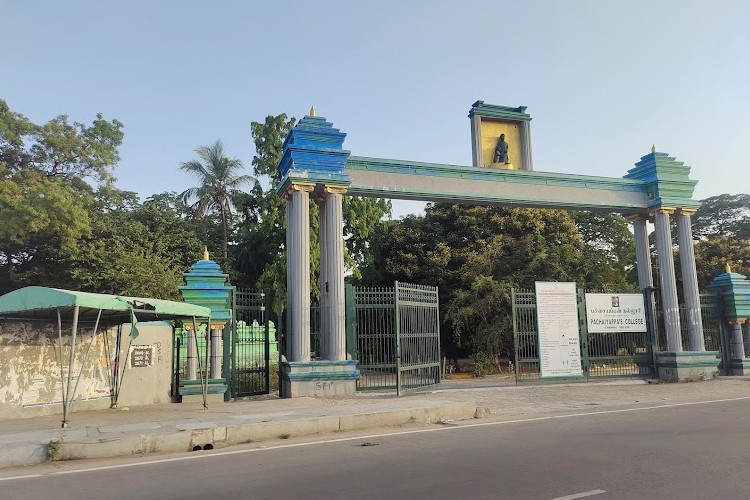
{"x":690,"y":280}
{"x":321,"y":202}
{"x":336,"y":345}
{"x":642,"y":252}
{"x":298,"y":291}
{"x":667,"y":280}
{"x":738,"y":346}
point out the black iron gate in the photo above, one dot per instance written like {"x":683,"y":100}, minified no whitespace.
{"x":250,"y":344}
{"x":395,"y":335}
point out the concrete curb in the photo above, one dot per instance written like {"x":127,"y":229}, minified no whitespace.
{"x":179,"y":439}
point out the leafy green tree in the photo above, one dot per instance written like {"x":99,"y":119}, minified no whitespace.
{"x":59,"y":147}
{"x":220,"y":183}
{"x":723,"y":215}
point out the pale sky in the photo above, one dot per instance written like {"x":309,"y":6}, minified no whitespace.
{"x":603,"y":80}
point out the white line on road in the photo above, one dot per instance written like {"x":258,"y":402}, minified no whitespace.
{"x":580,"y":495}
{"x":387,"y":434}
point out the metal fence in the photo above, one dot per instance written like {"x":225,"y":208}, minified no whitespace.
{"x":610,"y":354}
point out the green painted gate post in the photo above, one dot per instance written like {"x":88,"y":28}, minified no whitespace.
{"x":515,"y":333}
{"x":583,"y":331}
{"x":267,"y":346}
{"x":397,"y":329}
{"x":351,"y":321}
{"x":230,"y":334}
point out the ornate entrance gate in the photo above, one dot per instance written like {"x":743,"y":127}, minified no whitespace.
{"x":395,"y":335}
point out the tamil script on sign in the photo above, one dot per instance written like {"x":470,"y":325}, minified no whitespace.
{"x":557,"y":320}
{"x":615,"y":312}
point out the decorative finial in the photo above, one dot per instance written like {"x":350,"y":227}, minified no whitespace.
{"x":729,"y":269}
{"x":653,"y":148}
{"x":312,"y":110}
{"x":205,"y":253}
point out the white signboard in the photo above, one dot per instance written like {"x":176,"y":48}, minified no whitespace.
{"x":615,"y":312}
{"x":557,"y":320}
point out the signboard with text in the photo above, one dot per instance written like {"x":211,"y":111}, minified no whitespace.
{"x":557,"y":321}
{"x":615,"y":312}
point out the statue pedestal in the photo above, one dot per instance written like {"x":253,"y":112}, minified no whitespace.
{"x":503,"y":166}
{"x":319,"y":378}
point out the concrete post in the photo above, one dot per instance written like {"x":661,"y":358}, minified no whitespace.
{"x":667,"y":281}
{"x":322,"y":239}
{"x":192,"y":353}
{"x":298,"y":292}
{"x":216,"y":352}
{"x":690,"y":280}
{"x":284,"y":339}
{"x":738,"y":346}
{"x":336,"y":345}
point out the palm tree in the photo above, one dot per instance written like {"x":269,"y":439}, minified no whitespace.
{"x":219,"y":184}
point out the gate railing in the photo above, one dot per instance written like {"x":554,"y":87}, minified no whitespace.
{"x":395,"y":335}
{"x":418,"y":334}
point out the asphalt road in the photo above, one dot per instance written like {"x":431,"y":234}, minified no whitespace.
{"x":693,"y":451}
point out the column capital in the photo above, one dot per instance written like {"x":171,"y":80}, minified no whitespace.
{"x":663,"y":210}
{"x":737,"y":321}
{"x":334,"y":189}
{"x":301,"y":186}
{"x":637,"y":218}
{"x":687,"y":212}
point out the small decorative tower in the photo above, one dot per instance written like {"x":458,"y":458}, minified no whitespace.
{"x":207,"y":285}
{"x":733,"y":294}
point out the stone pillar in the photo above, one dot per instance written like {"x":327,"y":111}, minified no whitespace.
{"x":526,"y":145}
{"x":667,"y":280}
{"x":298,"y":293}
{"x":746,"y":330}
{"x":336,"y":323}
{"x":738,"y":344}
{"x":322,"y":239}
{"x":192,"y":356}
{"x":642,"y":252}
{"x":645,"y":277}
{"x":216,"y":334}
{"x":690,"y":280}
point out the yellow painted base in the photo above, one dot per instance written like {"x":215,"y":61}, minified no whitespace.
{"x":502,"y":166}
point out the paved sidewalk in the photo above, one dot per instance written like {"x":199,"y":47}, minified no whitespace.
{"x":182,"y":427}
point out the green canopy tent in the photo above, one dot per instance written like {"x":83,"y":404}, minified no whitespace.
{"x":51,"y":305}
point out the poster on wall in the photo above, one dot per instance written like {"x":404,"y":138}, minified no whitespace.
{"x":557,"y":320}
{"x":615,"y":312}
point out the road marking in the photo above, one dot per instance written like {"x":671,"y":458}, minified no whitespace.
{"x":580,"y":495}
{"x":197,"y":456}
